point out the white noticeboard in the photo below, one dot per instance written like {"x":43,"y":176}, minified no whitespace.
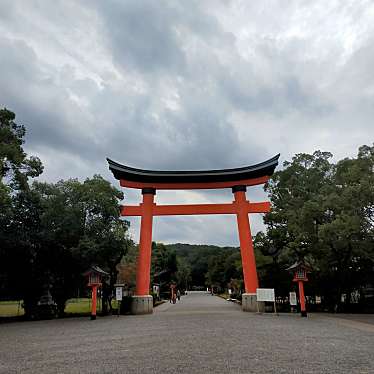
{"x":119,"y":293}
{"x":265,"y":294}
{"x":293,"y":300}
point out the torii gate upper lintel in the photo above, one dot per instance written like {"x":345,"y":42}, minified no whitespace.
{"x":149,"y":181}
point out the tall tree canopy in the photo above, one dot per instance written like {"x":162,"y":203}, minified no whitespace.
{"x":81,"y":221}
{"x":50,"y":233}
{"x":15,"y":166}
{"x":322,"y":213}
{"x":19,"y":207}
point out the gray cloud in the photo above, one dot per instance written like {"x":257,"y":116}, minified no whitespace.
{"x":186,"y":85}
{"x":143,"y":35}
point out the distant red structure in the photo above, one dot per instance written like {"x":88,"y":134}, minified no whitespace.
{"x":94,"y":275}
{"x":149,"y":181}
{"x":300,"y":276}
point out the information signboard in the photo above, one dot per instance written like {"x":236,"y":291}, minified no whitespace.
{"x":293,"y":300}
{"x":119,"y":293}
{"x":265,"y":294}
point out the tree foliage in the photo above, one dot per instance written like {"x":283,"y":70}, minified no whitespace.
{"x":15,"y":166}
{"x":322,"y":213}
{"x":52,"y":232}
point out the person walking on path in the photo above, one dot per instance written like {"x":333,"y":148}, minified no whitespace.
{"x":173,"y":295}
{"x":179,"y":295}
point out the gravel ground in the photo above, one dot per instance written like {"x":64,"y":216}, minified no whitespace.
{"x":200,"y":334}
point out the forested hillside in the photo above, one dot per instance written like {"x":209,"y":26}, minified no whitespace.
{"x":200,"y":259}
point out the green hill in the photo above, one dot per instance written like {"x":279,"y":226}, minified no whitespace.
{"x":197,"y":257}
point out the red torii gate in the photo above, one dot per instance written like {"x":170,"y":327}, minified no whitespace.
{"x":149,"y":181}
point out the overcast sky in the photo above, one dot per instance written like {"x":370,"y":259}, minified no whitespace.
{"x":187,"y":85}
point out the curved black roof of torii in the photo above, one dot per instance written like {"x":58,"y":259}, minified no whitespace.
{"x":128,"y":173}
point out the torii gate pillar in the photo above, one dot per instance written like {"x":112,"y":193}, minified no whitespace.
{"x":249,"y":299}
{"x":143,"y":302}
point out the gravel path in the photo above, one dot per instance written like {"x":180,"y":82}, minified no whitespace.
{"x":201,"y":334}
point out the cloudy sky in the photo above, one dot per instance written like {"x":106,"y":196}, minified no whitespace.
{"x":187,"y":85}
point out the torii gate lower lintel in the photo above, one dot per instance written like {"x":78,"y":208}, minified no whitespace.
{"x":150,"y":181}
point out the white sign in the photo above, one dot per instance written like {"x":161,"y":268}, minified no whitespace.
{"x":265,"y":294}
{"x":156,"y":290}
{"x":119,"y":293}
{"x":293,"y":300}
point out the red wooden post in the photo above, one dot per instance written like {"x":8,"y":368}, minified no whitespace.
{"x":94,"y":301}
{"x":300,"y":276}
{"x":94,"y":275}
{"x":245,"y":238}
{"x":302,"y":298}
{"x":145,"y":244}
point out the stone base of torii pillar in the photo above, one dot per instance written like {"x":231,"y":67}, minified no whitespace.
{"x":142,"y":304}
{"x":250,"y":303}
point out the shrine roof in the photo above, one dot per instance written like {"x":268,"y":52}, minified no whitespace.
{"x":299,"y":264}
{"x":95,"y":269}
{"x":127,"y":173}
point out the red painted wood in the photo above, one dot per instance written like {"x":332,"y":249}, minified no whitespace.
{"x":131,"y":210}
{"x":191,"y":209}
{"x":262,"y":207}
{"x":94,"y":300}
{"x":194,"y":186}
{"x":302,"y":296}
{"x":241,"y":207}
{"x":145,"y":247}
{"x":246,"y":245}
{"x":167,"y":210}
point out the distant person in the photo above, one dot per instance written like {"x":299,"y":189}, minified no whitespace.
{"x":171,"y":295}
{"x":179,"y":295}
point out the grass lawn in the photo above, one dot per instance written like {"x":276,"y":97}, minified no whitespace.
{"x":82,"y":305}
{"x":73,"y":306}
{"x":11,"y":309}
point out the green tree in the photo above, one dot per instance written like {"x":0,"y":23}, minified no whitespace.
{"x":23,"y":277}
{"x":297,"y":212}
{"x":15,"y":166}
{"x":323,"y":213}
{"x":215,"y":273}
{"x":19,"y":215}
{"x":347,"y":246}
{"x":81,"y":224}
{"x":164,"y":265}
{"x":183,"y":275}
